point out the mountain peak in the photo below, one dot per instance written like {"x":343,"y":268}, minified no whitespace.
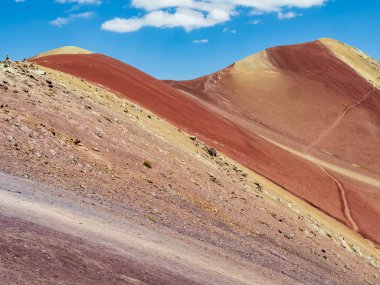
{"x":328,"y":39}
{"x":64,"y":50}
{"x":259,"y":61}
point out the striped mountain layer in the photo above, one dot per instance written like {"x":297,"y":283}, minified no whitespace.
{"x":306,"y":117}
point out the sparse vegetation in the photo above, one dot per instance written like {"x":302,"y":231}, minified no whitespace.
{"x":77,"y":141}
{"x":151,"y":218}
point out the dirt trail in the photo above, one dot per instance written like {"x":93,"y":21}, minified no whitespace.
{"x":345,"y":205}
{"x":338,"y":120}
{"x":308,"y":81}
{"x":342,"y":191}
{"x":372,"y":181}
{"x":323,"y":165}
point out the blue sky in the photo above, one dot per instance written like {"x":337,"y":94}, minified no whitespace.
{"x":183,"y":39}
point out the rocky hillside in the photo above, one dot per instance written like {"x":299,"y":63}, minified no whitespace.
{"x":90,"y":149}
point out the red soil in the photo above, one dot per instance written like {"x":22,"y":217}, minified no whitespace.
{"x":364,"y":205}
{"x":354,"y":134}
{"x":353,"y":137}
{"x":339,"y":111}
{"x":315,"y":62}
{"x":298,"y":176}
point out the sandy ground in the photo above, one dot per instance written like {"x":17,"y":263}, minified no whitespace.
{"x":189,"y":217}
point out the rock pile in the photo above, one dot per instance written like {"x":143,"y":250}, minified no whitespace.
{"x":8,"y":61}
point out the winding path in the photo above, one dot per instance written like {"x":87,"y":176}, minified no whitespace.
{"x":338,"y":120}
{"x":342,"y":191}
{"x":343,"y":196}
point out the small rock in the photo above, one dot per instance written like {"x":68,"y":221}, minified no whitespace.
{"x":211,"y":151}
{"x":40,"y":72}
{"x":259,"y":186}
{"x":77,"y":141}
{"x":148,"y":164}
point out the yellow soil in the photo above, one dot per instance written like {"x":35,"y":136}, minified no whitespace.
{"x":364,"y":65}
{"x":64,"y":50}
{"x":254,"y":63}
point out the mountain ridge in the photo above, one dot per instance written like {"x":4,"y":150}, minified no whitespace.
{"x":270,"y":112}
{"x":103,"y":166}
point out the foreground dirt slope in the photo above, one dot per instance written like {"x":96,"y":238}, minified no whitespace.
{"x":101,"y":154}
{"x":229,"y":110}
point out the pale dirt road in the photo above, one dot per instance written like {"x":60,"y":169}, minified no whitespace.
{"x":146,"y":256}
{"x":368,"y":180}
{"x":340,"y":170}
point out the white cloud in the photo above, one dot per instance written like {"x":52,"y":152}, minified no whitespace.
{"x":255,"y":22}
{"x":226,"y":29}
{"x":202,"y":41}
{"x":260,"y":5}
{"x":195,"y":14}
{"x":90,"y":2}
{"x":287,"y":15}
{"x":186,"y":18}
{"x":86,"y":15}
{"x":62,"y":21}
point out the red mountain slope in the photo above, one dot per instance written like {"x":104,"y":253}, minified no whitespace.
{"x":225,"y":111}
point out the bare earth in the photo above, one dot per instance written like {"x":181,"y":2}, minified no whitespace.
{"x":87,"y":211}
{"x":319,"y":101}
